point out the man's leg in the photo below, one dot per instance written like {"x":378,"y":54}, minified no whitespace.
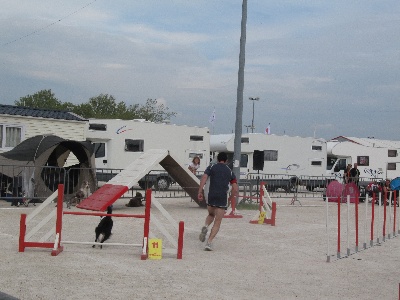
{"x":209,"y":219}
{"x":218,"y":214}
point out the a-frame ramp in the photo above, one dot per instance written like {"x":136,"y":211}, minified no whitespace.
{"x":122,"y":182}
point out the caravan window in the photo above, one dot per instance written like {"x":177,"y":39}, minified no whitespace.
{"x":98,"y":127}
{"x":244,"y":140}
{"x":391,"y":166}
{"x":317,"y":148}
{"x":316,"y":163}
{"x":193,"y":155}
{"x":244,"y":158}
{"x":134,"y":145}
{"x":196,"y":138}
{"x":99,"y":150}
{"x":392,"y":153}
{"x":363,"y":160}
{"x":271,"y":155}
{"x":10,"y":136}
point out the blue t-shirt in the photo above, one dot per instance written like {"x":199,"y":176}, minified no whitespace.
{"x":220,"y":176}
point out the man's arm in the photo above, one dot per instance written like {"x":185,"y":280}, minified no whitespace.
{"x":203,"y":181}
{"x":234,"y":191}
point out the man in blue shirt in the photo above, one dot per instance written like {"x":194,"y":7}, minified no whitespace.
{"x":219,"y":176}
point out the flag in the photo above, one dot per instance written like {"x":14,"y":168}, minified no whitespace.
{"x":268,"y":129}
{"x":212,"y":118}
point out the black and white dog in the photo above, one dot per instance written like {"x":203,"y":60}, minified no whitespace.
{"x":103,"y":230}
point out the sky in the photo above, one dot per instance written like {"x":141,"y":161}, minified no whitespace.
{"x":319,"y":68}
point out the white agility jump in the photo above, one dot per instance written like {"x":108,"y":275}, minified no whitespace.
{"x":376,"y":223}
{"x":57,"y":246}
{"x":267,"y":208}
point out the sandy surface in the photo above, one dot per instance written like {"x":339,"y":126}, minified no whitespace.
{"x":288,"y":261}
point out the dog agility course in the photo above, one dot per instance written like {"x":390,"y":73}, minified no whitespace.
{"x":293,"y":256}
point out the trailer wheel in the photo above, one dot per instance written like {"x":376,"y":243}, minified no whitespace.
{"x":292,"y":185}
{"x":144,"y":185}
{"x":162,"y":183}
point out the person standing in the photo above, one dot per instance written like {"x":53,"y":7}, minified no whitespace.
{"x":219,"y":176}
{"x":355,"y":174}
{"x":346,"y":174}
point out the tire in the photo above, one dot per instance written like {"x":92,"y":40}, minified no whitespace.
{"x":162,"y":183}
{"x":145,"y":185}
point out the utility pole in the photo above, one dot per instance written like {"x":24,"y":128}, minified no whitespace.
{"x":239,"y":103}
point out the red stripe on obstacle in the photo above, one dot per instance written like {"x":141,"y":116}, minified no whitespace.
{"x":103,"y":197}
{"x":80,"y":213}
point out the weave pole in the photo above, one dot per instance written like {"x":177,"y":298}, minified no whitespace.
{"x":328,"y":256}
{"x":380,"y":225}
{"x":384,"y":216}
{"x":365,"y":223}
{"x":348,"y":225}
{"x":394,"y":212}
{"x":371,"y":242}
{"x":338,"y":232}
{"x":356,"y":217}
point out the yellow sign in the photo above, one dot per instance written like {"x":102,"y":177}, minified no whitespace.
{"x":155,"y":248}
{"x":261,"y":218}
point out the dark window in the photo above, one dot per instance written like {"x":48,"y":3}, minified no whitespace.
{"x":99,"y":127}
{"x":271,"y":155}
{"x":196,"y":137}
{"x":391,"y":166}
{"x":244,"y":159}
{"x":342,"y":164}
{"x":99,"y":150}
{"x":244,"y":140}
{"x":316,"y":163}
{"x":318,"y":148}
{"x":392,"y":153}
{"x":363,"y":160}
{"x":134,"y":145}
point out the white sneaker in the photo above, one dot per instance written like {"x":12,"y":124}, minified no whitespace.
{"x":208,"y":247}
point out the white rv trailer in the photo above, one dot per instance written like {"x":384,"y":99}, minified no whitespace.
{"x":376,"y":159}
{"x":119,"y":142}
{"x":290,"y":157}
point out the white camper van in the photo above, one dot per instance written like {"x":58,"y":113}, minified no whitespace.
{"x":376,"y":159}
{"x":120,"y":142}
{"x":286,"y":157}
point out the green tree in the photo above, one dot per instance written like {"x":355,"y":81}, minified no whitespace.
{"x":41,"y":99}
{"x":152,"y":111}
{"x":103,"y":106}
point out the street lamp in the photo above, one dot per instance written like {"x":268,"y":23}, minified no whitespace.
{"x":252,"y":120}
{"x":247,"y":128}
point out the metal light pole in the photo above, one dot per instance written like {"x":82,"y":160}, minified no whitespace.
{"x":252,"y":120}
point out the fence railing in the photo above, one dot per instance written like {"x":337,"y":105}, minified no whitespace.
{"x":40,"y":182}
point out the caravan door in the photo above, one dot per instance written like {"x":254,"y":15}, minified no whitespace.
{"x":100,"y":154}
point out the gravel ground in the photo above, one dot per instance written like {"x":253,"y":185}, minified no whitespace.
{"x":288,"y":261}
